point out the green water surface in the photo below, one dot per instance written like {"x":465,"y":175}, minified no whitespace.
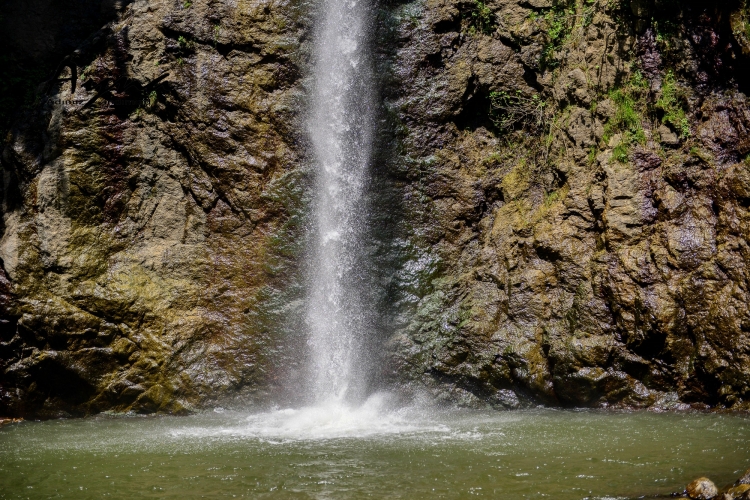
{"x":407,"y":454}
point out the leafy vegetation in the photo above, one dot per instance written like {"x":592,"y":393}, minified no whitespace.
{"x":184,"y":43}
{"x":671,"y":103}
{"x":630,"y":108}
{"x":185,"y":48}
{"x":560,"y":23}
{"x":633,"y":108}
{"x":152,"y":97}
{"x":513,"y":110}
{"x":481,"y":19}
{"x":217,"y":32}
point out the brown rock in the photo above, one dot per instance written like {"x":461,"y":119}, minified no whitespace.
{"x":702,"y":489}
{"x":641,"y":8}
{"x":738,"y":492}
{"x":667,"y":136}
{"x":7,"y":421}
{"x":744,"y":479}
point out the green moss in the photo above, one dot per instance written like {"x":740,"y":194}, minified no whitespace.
{"x":493,"y":159}
{"x":630,"y":110}
{"x":517,"y":181}
{"x":552,"y":198}
{"x":701,"y":154}
{"x":672,"y":104}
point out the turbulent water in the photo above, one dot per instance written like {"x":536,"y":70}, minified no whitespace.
{"x":372,"y":451}
{"x":341,"y":132}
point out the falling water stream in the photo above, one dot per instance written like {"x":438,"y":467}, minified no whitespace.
{"x":341,"y":132}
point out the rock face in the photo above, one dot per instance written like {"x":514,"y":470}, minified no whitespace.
{"x":151,"y":215}
{"x":563,"y":192}
{"x":597,"y":255}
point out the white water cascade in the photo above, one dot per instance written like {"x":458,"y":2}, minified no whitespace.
{"x":340,"y":126}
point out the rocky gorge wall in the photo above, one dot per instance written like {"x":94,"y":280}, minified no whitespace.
{"x":577,"y":175}
{"x":562,"y":191}
{"x":150,"y":212}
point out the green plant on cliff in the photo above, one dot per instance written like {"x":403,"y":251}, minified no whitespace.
{"x":481,"y":19}
{"x":152,"y":99}
{"x":184,"y":43}
{"x":510,"y":110}
{"x":561,"y":23}
{"x":671,"y":103}
{"x":627,"y":120}
{"x":217,"y":32}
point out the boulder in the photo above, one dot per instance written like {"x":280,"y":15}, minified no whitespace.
{"x":741,"y":492}
{"x":702,"y":489}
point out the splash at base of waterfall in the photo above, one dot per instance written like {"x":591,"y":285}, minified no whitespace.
{"x":330,"y":419}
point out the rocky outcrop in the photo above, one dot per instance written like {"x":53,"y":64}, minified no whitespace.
{"x":152,"y":213}
{"x":599,"y":258}
{"x":562,"y":208}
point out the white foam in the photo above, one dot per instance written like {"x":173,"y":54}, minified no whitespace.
{"x":332,"y":419}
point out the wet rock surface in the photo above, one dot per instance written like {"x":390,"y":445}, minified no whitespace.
{"x":598,"y":258}
{"x":561,"y":189}
{"x":151,"y":214}
{"x":704,"y":489}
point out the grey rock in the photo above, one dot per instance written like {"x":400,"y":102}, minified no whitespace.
{"x":667,"y":136}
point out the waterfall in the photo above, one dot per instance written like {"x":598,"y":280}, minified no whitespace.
{"x":340,"y":126}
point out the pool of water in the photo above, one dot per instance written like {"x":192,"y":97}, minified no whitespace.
{"x":333,"y":451}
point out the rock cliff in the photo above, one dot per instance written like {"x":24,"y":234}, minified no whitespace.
{"x":152,"y":208}
{"x":576,"y":175}
{"x":563,"y":191}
